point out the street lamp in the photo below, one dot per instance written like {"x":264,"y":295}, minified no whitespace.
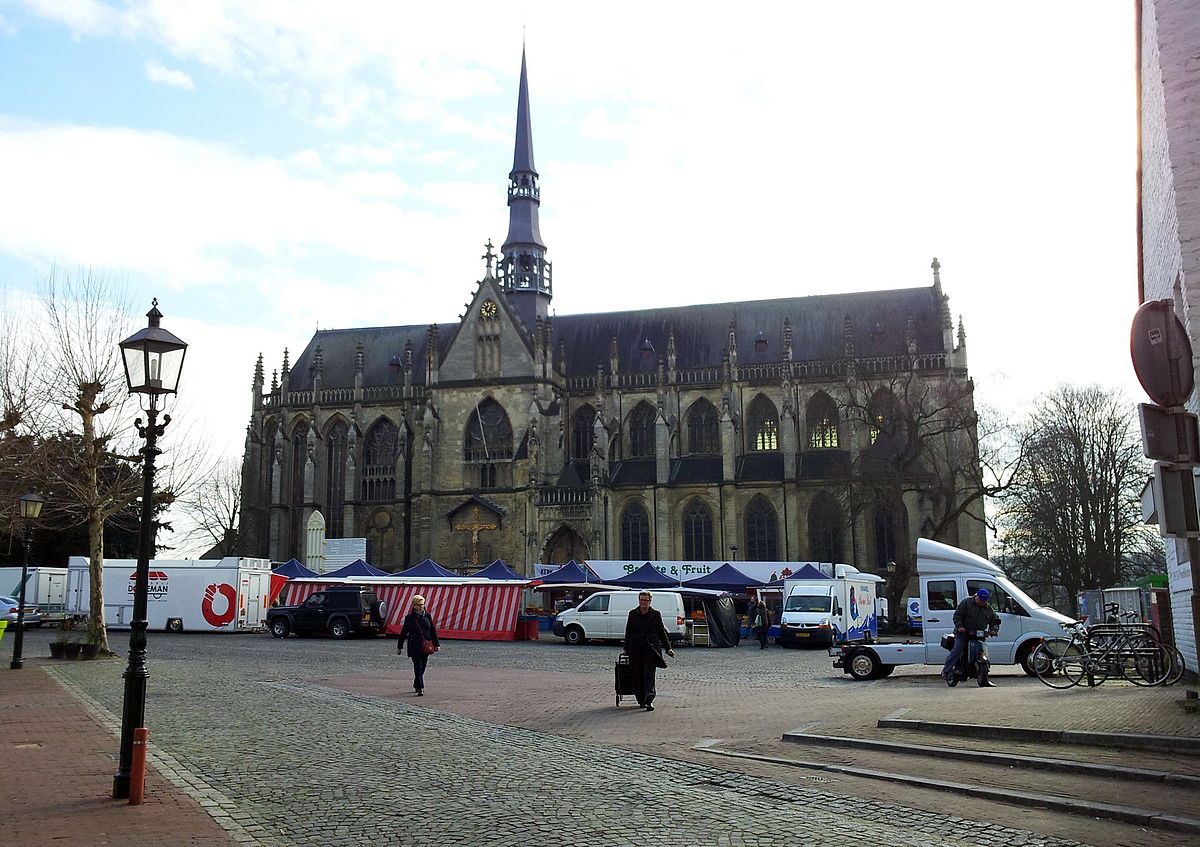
{"x":733,"y":551}
{"x":153,"y":361}
{"x":31,"y":509}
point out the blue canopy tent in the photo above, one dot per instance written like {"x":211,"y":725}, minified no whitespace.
{"x":293,"y":569}
{"x":497,"y":570}
{"x":809,"y":572}
{"x":428,"y":569}
{"x":280,"y":576}
{"x":725,"y":578}
{"x":647,"y":576}
{"x":570,"y":572}
{"x":357,"y":568}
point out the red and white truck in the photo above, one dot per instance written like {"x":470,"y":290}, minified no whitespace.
{"x":194,"y":595}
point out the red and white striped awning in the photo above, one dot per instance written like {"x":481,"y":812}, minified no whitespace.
{"x":479,"y":611}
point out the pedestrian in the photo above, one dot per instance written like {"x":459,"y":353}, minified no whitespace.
{"x":419,"y":633}
{"x":645,"y":641}
{"x":761,"y":623}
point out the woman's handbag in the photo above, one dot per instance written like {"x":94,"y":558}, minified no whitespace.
{"x":427,"y":648}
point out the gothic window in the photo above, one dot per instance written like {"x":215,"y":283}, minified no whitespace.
{"x":762,"y":531}
{"x":703,"y":434}
{"x":763,"y":426}
{"x":635,"y":533}
{"x":825,"y":530}
{"x":697,"y":532}
{"x":641,"y":431}
{"x":882,"y":414}
{"x":890,"y":522}
{"x":379,"y":461}
{"x":489,"y":435}
{"x":335,"y":478}
{"x":822,"y":422}
{"x":299,"y":458}
{"x":582,"y":432}
{"x":487,"y":475}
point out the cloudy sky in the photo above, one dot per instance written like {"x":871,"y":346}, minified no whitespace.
{"x":267,"y":167}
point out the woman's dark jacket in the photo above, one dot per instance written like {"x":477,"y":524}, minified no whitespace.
{"x":417,"y":627}
{"x":645,"y":632}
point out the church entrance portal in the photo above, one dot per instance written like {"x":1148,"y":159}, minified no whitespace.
{"x":564,"y":545}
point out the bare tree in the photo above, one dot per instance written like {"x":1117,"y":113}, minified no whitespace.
{"x":1072,"y":520}
{"x":94,"y":472}
{"x":925,"y":438}
{"x":213,"y":505}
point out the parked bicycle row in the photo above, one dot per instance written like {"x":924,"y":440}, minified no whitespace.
{"x":1121,"y":647}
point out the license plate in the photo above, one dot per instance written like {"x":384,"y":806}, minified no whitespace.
{"x":802,"y":635}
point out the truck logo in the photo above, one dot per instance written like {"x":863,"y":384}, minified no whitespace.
{"x":206,"y":605}
{"x":156,"y":584}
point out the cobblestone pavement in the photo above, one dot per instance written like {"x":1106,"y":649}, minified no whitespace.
{"x":309,"y":742}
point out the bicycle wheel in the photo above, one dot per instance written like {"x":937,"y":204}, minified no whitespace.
{"x":1177,"y":666}
{"x":1150,"y":664}
{"x":1058,"y":662}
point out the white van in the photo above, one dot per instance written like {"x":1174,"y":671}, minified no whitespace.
{"x":603,"y":615}
{"x":949,"y":575}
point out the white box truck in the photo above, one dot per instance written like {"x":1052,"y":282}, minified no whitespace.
{"x":46,"y":588}
{"x":195,"y":595}
{"x":947,"y":576}
{"x":823,"y":610}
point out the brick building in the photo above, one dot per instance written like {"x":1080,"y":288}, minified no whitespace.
{"x":755,"y":430}
{"x":1169,"y":221}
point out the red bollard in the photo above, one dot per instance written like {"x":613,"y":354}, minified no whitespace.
{"x":137,"y":767}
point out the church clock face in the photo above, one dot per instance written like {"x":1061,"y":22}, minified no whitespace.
{"x":488,"y":309}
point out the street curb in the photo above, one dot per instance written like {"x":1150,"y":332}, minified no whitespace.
{"x":1124,"y":740}
{"x":1003,"y":759}
{"x":1125,"y":814}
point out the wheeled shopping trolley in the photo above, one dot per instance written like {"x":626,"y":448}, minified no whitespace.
{"x":623,"y":678}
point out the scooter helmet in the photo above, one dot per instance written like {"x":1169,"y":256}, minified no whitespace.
{"x":983,"y":594}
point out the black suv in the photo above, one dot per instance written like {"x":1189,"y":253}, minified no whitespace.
{"x":341,"y":611}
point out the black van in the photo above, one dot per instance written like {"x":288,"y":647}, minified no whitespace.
{"x":342,"y":611}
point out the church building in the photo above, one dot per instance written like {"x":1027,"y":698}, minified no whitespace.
{"x":761,"y":430}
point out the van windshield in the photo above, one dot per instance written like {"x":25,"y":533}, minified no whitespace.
{"x":807,"y":603}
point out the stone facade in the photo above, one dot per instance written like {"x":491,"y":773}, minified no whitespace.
{"x":1170,"y":221}
{"x":746,"y":430}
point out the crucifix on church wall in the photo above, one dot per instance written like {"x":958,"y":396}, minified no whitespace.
{"x":475,"y":527}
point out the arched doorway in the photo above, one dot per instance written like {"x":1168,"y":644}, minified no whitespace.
{"x":564,"y":544}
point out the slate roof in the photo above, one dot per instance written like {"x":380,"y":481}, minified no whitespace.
{"x":878,"y":321}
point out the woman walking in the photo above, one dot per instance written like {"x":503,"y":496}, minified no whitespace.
{"x":645,"y":640}
{"x":419,"y":633}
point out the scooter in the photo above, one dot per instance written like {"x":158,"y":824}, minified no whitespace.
{"x":974,"y":662}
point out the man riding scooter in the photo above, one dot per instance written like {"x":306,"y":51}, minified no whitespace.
{"x":973,"y":620}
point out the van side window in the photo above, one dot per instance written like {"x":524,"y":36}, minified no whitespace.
{"x":943,"y":595}
{"x":1000,"y":600}
{"x":595,"y":603}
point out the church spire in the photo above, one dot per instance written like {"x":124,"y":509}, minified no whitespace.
{"x":523,"y":270}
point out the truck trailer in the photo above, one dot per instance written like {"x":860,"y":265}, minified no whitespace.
{"x":45,"y":588}
{"x":196,"y":595}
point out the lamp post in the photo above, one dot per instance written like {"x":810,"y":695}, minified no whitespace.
{"x":31,"y":509}
{"x":733,"y":551}
{"x":153,"y":361}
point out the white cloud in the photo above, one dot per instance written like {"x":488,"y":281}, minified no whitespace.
{"x":155,"y":72}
